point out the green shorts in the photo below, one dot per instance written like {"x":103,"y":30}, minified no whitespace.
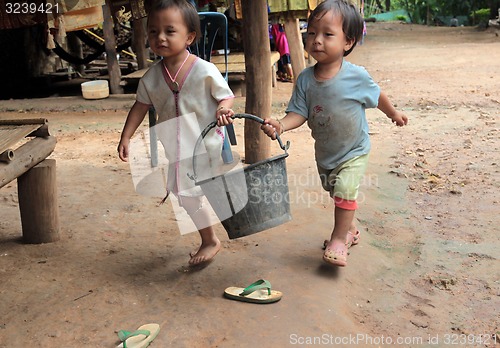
{"x":344,"y":180}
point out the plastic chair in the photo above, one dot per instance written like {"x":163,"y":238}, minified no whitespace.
{"x":211,"y":24}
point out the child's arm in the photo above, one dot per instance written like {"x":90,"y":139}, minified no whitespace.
{"x":387,"y":108}
{"x":134,"y":119}
{"x":224,"y":112}
{"x":290,"y":121}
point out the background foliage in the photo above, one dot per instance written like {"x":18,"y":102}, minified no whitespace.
{"x":424,"y":11}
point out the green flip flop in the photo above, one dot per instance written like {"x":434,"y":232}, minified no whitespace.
{"x":257,"y":292}
{"x":140,"y":338}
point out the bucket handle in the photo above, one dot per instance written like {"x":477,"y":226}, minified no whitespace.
{"x":284,"y":147}
{"x":211,"y":125}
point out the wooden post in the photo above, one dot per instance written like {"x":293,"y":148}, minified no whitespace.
{"x":75,"y":47}
{"x":37,"y":192}
{"x":292,"y":31}
{"x":258,"y":78}
{"x":114,"y":72}
{"x":139,"y":42}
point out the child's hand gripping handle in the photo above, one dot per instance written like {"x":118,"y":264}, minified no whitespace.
{"x":261,"y":121}
{"x":211,"y":125}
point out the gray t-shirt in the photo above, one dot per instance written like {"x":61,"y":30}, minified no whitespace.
{"x":335,"y":112}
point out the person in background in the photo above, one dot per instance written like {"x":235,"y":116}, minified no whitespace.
{"x":285,"y":72}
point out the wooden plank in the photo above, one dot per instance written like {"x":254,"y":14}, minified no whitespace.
{"x":11,"y":135}
{"x":235,"y":61}
{"x":238,"y":57}
{"x":26,"y":157}
{"x":83,"y":19}
{"x":236,"y":64}
{"x":136,"y":74}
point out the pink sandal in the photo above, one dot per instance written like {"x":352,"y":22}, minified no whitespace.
{"x":352,"y":239}
{"x":336,"y":256}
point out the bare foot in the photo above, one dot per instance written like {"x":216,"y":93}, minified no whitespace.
{"x":205,"y":253}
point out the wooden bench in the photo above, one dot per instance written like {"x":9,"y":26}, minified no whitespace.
{"x":36,"y":176}
{"x":236,"y":68}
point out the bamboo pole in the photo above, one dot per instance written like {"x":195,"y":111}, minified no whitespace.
{"x":7,"y":156}
{"x":25,"y":157}
{"x":23,"y":121}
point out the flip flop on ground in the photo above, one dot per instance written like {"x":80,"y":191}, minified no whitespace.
{"x":258,"y":292}
{"x":141,"y":338}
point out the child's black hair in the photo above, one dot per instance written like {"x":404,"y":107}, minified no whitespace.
{"x":188,"y":12}
{"x":352,"y":22}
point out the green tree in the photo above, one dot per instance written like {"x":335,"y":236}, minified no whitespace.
{"x":421,"y":11}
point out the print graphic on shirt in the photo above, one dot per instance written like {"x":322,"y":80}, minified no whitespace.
{"x":321,"y":123}
{"x":317,"y":109}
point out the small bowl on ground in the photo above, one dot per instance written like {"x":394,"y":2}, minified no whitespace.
{"x":97,"y":89}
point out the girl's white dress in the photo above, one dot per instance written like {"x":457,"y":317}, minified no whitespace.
{"x":181,"y":118}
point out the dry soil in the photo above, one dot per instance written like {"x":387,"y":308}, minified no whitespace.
{"x":426,"y":273}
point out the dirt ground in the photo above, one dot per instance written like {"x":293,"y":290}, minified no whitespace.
{"x":426,"y":273}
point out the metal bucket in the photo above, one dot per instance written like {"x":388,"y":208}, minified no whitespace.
{"x":250,"y":199}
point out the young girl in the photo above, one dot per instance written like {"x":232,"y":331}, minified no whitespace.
{"x":179,"y":86}
{"x":332,"y":97}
